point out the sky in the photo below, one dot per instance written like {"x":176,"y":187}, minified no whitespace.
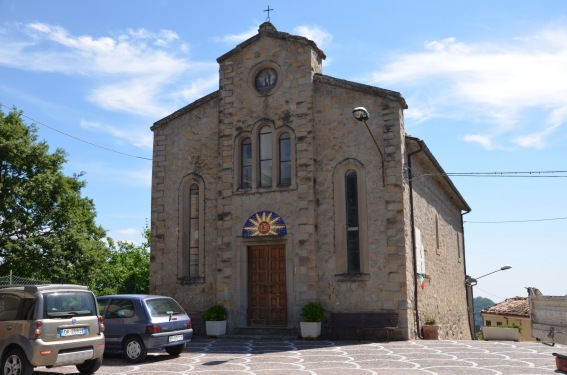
{"x":485,"y":82}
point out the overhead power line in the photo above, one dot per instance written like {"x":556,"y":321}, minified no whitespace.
{"x":79,"y":139}
{"x":516,"y":174}
{"x":514,"y":221}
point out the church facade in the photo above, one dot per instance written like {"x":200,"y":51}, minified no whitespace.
{"x":268,"y":194}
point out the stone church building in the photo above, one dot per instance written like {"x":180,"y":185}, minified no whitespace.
{"x":268,"y":193}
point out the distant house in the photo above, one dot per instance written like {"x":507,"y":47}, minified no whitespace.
{"x":514,"y":310}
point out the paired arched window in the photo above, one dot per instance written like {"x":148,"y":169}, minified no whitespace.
{"x":284,"y":144}
{"x":265,"y":141}
{"x":265,"y":160}
{"x":191,"y":228}
{"x":246,"y":164}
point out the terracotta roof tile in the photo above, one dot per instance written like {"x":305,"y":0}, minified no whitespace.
{"x":517,"y":306}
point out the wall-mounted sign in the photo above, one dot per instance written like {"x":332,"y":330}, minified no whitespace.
{"x":264,"y":223}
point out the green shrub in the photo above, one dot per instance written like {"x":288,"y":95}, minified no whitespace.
{"x":513,"y":325}
{"x":313,"y":312}
{"x":430,"y":320}
{"x":215,"y":313}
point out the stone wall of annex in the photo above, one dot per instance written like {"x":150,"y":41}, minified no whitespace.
{"x":439,"y":221}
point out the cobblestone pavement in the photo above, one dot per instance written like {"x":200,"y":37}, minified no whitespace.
{"x":297,"y":357}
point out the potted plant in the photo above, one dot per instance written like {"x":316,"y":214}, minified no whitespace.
{"x":430,"y":330}
{"x":312,"y":314}
{"x":215,"y":320}
{"x":503,"y":332}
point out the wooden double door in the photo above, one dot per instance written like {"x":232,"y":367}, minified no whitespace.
{"x":267,"y":292}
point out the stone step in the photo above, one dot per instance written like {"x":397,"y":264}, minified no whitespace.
{"x":268,"y":332}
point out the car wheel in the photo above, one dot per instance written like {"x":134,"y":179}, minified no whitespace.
{"x":175,"y":350}
{"x":135,"y":350}
{"x":16,"y":363}
{"x":90,"y":366}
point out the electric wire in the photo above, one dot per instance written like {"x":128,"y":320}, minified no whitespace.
{"x":77,"y":138}
{"x":521,"y":174}
{"x":515,"y":221}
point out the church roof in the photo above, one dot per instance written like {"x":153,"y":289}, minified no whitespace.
{"x":516,"y":306}
{"x":189,"y":107}
{"x":384,"y":93}
{"x":267,"y":29}
{"x":418,"y":147}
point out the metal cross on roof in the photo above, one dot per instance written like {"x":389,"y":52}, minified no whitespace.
{"x":268,"y":10}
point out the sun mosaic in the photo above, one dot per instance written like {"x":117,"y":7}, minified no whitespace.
{"x":264,"y":223}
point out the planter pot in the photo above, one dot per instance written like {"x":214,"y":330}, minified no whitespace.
{"x":310,"y":330}
{"x":215,"y":329}
{"x":430,"y":332}
{"x":504,"y":334}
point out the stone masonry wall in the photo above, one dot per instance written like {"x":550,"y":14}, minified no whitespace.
{"x":241,"y":111}
{"x":183,"y":145}
{"x":439,"y":221}
{"x":339,"y":136}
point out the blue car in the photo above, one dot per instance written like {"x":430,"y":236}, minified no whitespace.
{"x":135,"y":323}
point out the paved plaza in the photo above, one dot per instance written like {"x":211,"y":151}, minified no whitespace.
{"x":298,"y":357}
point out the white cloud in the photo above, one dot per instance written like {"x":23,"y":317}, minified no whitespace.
{"x":132,"y":72}
{"x":141,"y":139}
{"x":131,"y":235}
{"x":314,"y":33}
{"x":141,"y":177}
{"x":484,"y":141}
{"x":238,"y":38}
{"x":493,"y":83}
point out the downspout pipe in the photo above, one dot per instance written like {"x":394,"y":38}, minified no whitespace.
{"x":412,"y":224}
{"x":468,"y":288}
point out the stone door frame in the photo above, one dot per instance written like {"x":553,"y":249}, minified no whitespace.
{"x":241,"y":282}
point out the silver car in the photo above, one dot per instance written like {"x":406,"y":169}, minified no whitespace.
{"x":49,"y":325}
{"x":136,"y":323}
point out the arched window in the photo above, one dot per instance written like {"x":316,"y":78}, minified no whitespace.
{"x":352,"y":226}
{"x":192,"y":231}
{"x":265,"y":140}
{"x":246,"y":164}
{"x":284,"y":146}
{"x":264,"y":159}
{"x":194,"y":234}
{"x":351,"y":220}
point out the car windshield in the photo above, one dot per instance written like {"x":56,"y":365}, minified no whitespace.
{"x":164,"y":307}
{"x":68,"y":304}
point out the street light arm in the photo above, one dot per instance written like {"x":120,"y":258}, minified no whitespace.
{"x":361,"y":114}
{"x":503,"y":268}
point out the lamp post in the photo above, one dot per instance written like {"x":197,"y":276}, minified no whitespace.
{"x":469,"y":283}
{"x":472,"y":281}
{"x":361,"y":114}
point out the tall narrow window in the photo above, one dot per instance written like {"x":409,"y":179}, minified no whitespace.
{"x":194,"y":230}
{"x":437,"y":233}
{"x":191,"y":250}
{"x":265,"y":157}
{"x":353,"y":241}
{"x":285,"y":160}
{"x":246,"y":164}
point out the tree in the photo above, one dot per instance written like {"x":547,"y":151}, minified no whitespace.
{"x":480,"y":303}
{"x":127,"y":269}
{"x":47,"y":229}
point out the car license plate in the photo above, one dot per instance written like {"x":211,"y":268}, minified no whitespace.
{"x":175,"y":338}
{"x":64,"y":332}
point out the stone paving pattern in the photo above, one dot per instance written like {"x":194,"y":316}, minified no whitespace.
{"x":296,"y":357}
